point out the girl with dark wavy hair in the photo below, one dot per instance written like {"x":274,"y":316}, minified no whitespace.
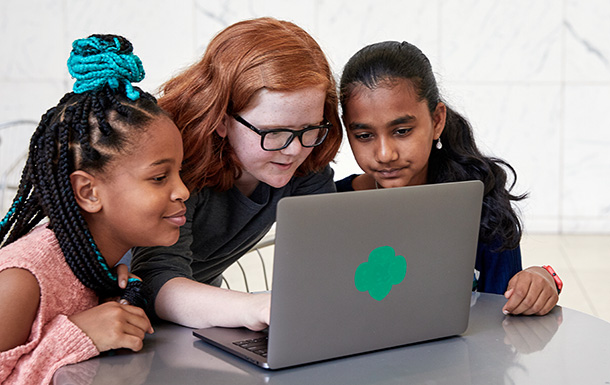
{"x":103,"y":168}
{"x":402,"y":134}
{"x":259,"y":121}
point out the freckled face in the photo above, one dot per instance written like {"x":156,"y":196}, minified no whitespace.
{"x":391,"y":132}
{"x":294,"y":110}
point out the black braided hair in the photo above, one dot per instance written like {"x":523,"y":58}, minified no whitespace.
{"x":459,"y":159}
{"x":85,"y":131}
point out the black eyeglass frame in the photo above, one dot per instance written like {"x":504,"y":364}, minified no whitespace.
{"x":294,"y":133}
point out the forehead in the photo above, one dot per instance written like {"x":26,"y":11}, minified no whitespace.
{"x":291,"y":103}
{"x":160,"y":140}
{"x":386,"y":101}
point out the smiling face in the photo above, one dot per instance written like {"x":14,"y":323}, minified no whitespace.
{"x":140,"y":195}
{"x":391,"y":132}
{"x":271,"y":110}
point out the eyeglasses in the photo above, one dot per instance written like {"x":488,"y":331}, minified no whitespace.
{"x":278,"y":139}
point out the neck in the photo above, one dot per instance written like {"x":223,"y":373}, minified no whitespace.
{"x":112,"y":251}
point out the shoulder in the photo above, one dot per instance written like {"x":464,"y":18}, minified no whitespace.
{"x":355,"y":182}
{"x":345,"y":184}
{"x":313,"y":183}
{"x":18,"y":286}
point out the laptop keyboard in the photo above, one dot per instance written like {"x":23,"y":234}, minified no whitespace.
{"x":256,"y":345}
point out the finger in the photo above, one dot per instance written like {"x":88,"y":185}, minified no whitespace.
{"x":137,"y":317}
{"x":518,"y":300}
{"x":133,"y":330}
{"x":130,"y":341}
{"x":122,"y":273}
{"x":133,"y":276}
{"x":548,"y":306}
{"x":535,"y":302}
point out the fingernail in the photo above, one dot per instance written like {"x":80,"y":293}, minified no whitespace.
{"x":123,"y":283}
{"x":124,"y":302}
{"x":506,"y":312}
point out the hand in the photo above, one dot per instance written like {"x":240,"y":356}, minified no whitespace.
{"x":531,"y":291}
{"x":123,"y":274}
{"x":113,"y":326}
{"x":258,"y":312}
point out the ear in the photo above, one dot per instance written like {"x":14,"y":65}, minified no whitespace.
{"x":85,"y":192}
{"x":222,"y":127}
{"x":439,"y":118}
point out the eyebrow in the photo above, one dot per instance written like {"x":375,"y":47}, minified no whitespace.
{"x":160,"y":162}
{"x":400,"y":120}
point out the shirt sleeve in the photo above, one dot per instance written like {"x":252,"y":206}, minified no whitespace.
{"x":60,"y":343}
{"x":496,"y":268}
{"x":159,"y":264}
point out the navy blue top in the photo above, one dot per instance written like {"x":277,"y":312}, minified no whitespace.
{"x":493,"y":270}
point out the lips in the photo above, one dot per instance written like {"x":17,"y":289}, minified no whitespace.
{"x":389,"y":173}
{"x":178,"y":218}
{"x":282,"y":166}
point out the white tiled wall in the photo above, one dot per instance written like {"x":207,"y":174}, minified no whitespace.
{"x":532,"y":76}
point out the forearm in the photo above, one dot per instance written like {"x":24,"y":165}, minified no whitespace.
{"x":61,"y":343}
{"x":198,"y":305}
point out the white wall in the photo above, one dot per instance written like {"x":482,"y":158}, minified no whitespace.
{"x":532,"y":76}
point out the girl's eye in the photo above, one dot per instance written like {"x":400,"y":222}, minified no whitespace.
{"x":402,"y":131}
{"x":363,"y":136}
{"x":159,"y":178}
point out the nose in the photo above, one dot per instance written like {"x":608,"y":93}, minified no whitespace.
{"x":294,"y":148}
{"x":180,"y":192}
{"x":385,"y":151}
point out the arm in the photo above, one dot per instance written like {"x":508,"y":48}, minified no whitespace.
{"x":198,"y":305}
{"x":60,"y":343}
{"x":34,"y":358}
{"x":531,"y":291}
{"x":32,"y":353}
{"x":18,"y":286}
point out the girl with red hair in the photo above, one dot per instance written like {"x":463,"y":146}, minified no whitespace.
{"x":259,"y":121}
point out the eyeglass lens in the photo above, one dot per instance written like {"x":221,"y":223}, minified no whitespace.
{"x":309,"y":138}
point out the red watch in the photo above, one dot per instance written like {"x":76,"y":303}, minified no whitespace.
{"x":558,"y":281}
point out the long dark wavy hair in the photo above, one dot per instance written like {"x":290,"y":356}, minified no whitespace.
{"x":85,"y":131}
{"x":459,"y":159}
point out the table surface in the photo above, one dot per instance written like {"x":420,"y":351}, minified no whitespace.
{"x":563,"y":347}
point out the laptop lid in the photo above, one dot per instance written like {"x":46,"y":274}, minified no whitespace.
{"x":368,"y":270}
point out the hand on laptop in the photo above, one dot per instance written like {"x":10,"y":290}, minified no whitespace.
{"x":531,"y":291}
{"x":257,"y":316}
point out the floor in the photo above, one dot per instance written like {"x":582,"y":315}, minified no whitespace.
{"x":582,"y":262}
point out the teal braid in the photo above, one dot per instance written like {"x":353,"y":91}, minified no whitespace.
{"x":95,"y":62}
{"x":101,"y":259}
{"x":10,"y":213}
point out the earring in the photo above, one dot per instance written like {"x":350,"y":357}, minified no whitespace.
{"x":439,"y":145}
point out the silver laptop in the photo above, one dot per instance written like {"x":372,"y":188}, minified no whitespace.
{"x":363,"y":271}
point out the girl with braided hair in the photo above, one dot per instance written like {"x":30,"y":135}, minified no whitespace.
{"x":103,"y":167}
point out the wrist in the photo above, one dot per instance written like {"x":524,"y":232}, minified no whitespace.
{"x":556,"y":279}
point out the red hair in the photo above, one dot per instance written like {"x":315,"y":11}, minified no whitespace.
{"x":241,"y":60}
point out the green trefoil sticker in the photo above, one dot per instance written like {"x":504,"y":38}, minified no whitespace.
{"x":383,"y":270}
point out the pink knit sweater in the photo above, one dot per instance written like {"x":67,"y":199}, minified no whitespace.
{"x":54,"y":340}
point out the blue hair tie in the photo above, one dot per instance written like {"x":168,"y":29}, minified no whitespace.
{"x":95,"y":62}
{"x":10,"y":213}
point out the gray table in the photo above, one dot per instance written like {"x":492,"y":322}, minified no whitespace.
{"x":563,"y":347}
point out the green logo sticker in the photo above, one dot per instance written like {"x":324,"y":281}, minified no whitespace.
{"x":383,"y":270}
